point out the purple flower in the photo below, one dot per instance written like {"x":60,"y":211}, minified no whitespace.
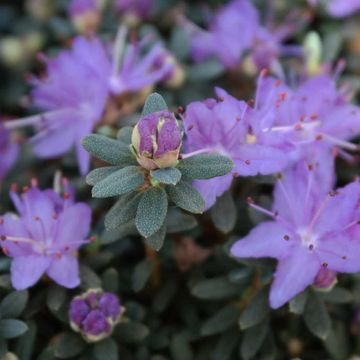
{"x":340,"y":8}
{"x":134,"y":72}
{"x":222,"y":40}
{"x":74,"y":107}
{"x":156,"y":140}
{"x":94,"y":314}
{"x":44,"y":237}
{"x":311,"y":229}
{"x":138,"y":8}
{"x":234,"y":129}
{"x":85,"y":15}
{"x":316,"y":117}
{"x":8,"y":152}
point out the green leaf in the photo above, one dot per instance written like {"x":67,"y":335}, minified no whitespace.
{"x":156,"y":241}
{"x":221,"y":321}
{"x":205,"y":71}
{"x":154,"y":103}
{"x":124,"y":134}
{"x":109,"y":150}
{"x":216,"y":289}
{"x":89,"y":278}
{"x":151,"y":212}
{"x":337,"y":342}
{"x":106,"y":349}
{"x":3,"y":348}
{"x":25,"y":343}
{"x":186,"y":197}
{"x":177,"y":221}
{"x":132,"y":332}
{"x":170,"y":176}
{"x":120,"y":182}
{"x":297,"y":304}
{"x":68,"y":345}
{"x":141,"y":274}
{"x":56,"y":297}
{"x":14,"y":304}
{"x":256,"y":311}
{"x":226,"y":345}
{"x":253,"y":339}
{"x":223,"y":213}
{"x":110,"y":280}
{"x":110,"y":236}
{"x":180,"y":347}
{"x":337,"y":295}
{"x":96,"y":175}
{"x":316,"y":316}
{"x":10,"y":328}
{"x":123,"y":211}
{"x":205,"y":166}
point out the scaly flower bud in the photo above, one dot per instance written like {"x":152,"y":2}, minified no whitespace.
{"x":325,"y":279}
{"x":156,"y":140}
{"x":94,"y":314}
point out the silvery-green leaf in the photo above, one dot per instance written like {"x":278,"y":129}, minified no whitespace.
{"x":170,"y":176}
{"x":110,"y":236}
{"x":120,"y":182}
{"x":223,"y":213}
{"x":297,"y":304}
{"x":316,"y":316}
{"x":68,"y":345}
{"x":186,"y":197}
{"x":13,"y":304}
{"x":156,"y":240}
{"x":123,"y":211}
{"x":151,"y":212}
{"x":131,"y":332}
{"x":25,"y":343}
{"x":253,"y":339}
{"x":124,"y":134}
{"x":205,"y":166}
{"x":221,"y":321}
{"x":215,"y":288}
{"x":112,"y":151}
{"x":96,"y":175}
{"x":177,"y":221}
{"x":205,"y":71}
{"x":106,"y":349}
{"x":10,"y":328}
{"x":154,"y":103}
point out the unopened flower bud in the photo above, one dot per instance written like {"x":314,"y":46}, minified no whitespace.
{"x":85,"y":15}
{"x":94,"y":314}
{"x":325,"y":279}
{"x":156,"y":140}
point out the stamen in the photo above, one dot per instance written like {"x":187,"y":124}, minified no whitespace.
{"x":321,"y":208}
{"x":342,"y":143}
{"x":119,"y":50}
{"x":197,"y":152}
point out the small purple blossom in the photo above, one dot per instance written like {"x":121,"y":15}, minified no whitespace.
{"x":94,"y":314}
{"x":156,"y":140}
{"x":132,"y":71}
{"x":239,"y":131}
{"x":141,"y":9}
{"x":85,"y":15}
{"x":325,"y":279}
{"x":9,"y":152}
{"x":340,"y":8}
{"x":44,"y":237}
{"x":311,"y":229}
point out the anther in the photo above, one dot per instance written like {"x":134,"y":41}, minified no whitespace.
{"x":344,"y":257}
{"x":250,"y":200}
{"x":180,"y":110}
{"x":311,"y":247}
{"x":310,"y":167}
{"x":247,"y":162}
{"x":318,"y":137}
{"x":314,"y":117}
{"x":286,"y":237}
{"x":2,"y":237}
{"x":235,"y":175}
{"x":333,"y":193}
{"x":325,"y":265}
{"x":66,"y":196}
{"x":190,"y":127}
{"x":34,"y":182}
{"x":1,"y":221}
{"x":14,"y":187}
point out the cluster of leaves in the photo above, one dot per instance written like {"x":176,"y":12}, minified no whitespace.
{"x":144,"y":193}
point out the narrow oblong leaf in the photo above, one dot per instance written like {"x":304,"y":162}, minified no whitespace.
{"x":316,"y":316}
{"x":169,"y":176}
{"x":112,"y":151}
{"x":99,"y":174}
{"x":205,"y":166}
{"x":297,"y":304}
{"x":154,"y":103}
{"x":123,"y":211}
{"x":124,"y":134}
{"x":256,"y":311}
{"x":120,"y":182}
{"x":10,"y":328}
{"x":216,"y":288}
{"x":177,"y":221}
{"x":68,"y":345}
{"x":106,"y":349}
{"x":253,"y":339}
{"x":186,"y":197}
{"x":223,"y":213}
{"x":156,"y":240}
{"x":141,"y":274}
{"x":151,"y":212}
{"x":13,"y":304}
{"x":132,"y":332}
{"x":221,"y":321}
{"x":25,"y":344}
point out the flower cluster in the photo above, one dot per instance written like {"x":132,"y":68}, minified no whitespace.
{"x":94,"y":314}
{"x":45,"y":236}
{"x":265,"y":43}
